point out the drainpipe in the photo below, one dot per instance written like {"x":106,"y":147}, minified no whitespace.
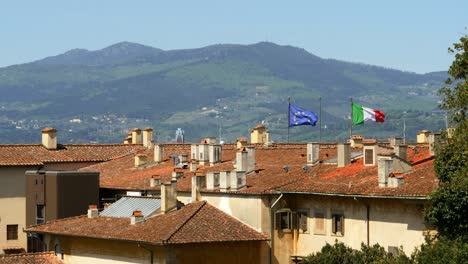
{"x":367,"y":219}
{"x":149,"y":250}
{"x":272,"y":223}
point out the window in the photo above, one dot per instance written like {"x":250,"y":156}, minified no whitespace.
{"x":302,"y":220}
{"x":369,"y":156}
{"x":338,"y":224}
{"x":40,"y":214}
{"x":319,"y":218}
{"x":12,"y":232}
{"x":201,"y":156}
{"x":283,"y":220}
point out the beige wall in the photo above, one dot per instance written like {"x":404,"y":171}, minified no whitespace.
{"x":393,"y":222}
{"x":96,"y":251}
{"x":252,"y":210}
{"x":12,"y":205}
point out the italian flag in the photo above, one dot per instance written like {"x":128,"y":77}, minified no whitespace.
{"x":361,"y":114}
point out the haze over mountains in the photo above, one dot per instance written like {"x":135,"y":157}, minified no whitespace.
{"x":220,"y":89}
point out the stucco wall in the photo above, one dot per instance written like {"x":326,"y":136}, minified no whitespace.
{"x":12,"y":205}
{"x":393,"y":222}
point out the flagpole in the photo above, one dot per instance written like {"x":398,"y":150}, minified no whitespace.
{"x":289,"y":113}
{"x":320,"y":119}
{"x":351,"y":119}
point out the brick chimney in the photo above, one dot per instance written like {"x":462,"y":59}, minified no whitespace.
{"x":344,"y":154}
{"x":238,"y":180}
{"x":313,"y":152}
{"x":137,"y":217}
{"x":136,"y":136}
{"x":93,"y":211}
{"x":140,"y":159}
{"x":224,"y":180}
{"x":147,"y":137}
{"x":158,"y":153}
{"x":49,"y":138}
{"x":168,"y":196}
{"x":212,"y":180}
{"x":385,"y":166}
{"x":241,"y":160}
{"x":401,"y":151}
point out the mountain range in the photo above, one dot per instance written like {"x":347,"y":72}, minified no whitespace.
{"x":220,"y":90}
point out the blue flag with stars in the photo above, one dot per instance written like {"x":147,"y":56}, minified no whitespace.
{"x":300,"y":117}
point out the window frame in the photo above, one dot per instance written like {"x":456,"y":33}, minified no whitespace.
{"x":12,"y":234}
{"x":289,"y":220}
{"x":38,"y":219}
{"x":335,"y":217}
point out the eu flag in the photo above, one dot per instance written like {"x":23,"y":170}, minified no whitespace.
{"x":299,"y":116}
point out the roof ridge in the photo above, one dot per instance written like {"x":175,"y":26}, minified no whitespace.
{"x":185,"y":222}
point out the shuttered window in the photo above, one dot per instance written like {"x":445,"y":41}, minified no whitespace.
{"x":338,"y":224}
{"x":303,"y":218}
{"x":12,"y":232}
{"x":369,"y":159}
{"x":319,"y":217}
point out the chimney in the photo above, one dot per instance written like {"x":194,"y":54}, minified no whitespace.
{"x":344,"y":154}
{"x":147,"y":137}
{"x":395,"y":141}
{"x":238,"y":180}
{"x":183,"y":158}
{"x":385,"y":164}
{"x":177,"y":174}
{"x":250,"y":159}
{"x":401,"y":151}
{"x":193,"y":165}
{"x":49,"y":138}
{"x":128,"y":140}
{"x":93,"y":211}
{"x":140,"y":159}
{"x":433,"y":140}
{"x":212,"y":180}
{"x":137,"y":217}
{"x":136,"y":136}
{"x":370,"y":153}
{"x":241,"y":142}
{"x":214,"y":154}
{"x":158,"y":153}
{"x":155,"y":181}
{"x":356,"y":141}
{"x":198,"y":182}
{"x":224,"y":180}
{"x":395,"y":180}
{"x":168,"y":196}
{"x":313,"y":152}
{"x":241,"y":160}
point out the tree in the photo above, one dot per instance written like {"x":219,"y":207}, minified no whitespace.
{"x":449,"y":203}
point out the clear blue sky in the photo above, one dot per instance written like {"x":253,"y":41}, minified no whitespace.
{"x":409,"y":35}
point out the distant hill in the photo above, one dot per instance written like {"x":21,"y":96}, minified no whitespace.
{"x":202,"y":90}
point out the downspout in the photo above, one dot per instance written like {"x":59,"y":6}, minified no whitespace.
{"x":272,"y":220}
{"x":149,"y":250}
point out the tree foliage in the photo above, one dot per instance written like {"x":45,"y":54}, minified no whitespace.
{"x":449,"y":203}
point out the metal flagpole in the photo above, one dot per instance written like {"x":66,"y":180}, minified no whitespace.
{"x":320,"y":119}
{"x":289,"y":113}
{"x":351,"y":119}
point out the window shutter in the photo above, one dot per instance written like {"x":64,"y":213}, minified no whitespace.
{"x":277,"y":220}
{"x":294,"y":220}
{"x":342,"y":224}
{"x":303,"y":221}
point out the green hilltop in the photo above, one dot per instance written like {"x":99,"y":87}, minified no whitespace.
{"x":216,"y":90}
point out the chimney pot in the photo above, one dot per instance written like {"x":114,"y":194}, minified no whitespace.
{"x":137,"y":217}
{"x":93,"y":211}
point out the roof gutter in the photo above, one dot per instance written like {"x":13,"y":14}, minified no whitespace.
{"x":360,"y":195}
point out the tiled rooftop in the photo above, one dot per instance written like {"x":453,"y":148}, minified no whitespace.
{"x":36,"y":154}
{"x":31,"y":258}
{"x":194,"y":223}
{"x":270,"y":176}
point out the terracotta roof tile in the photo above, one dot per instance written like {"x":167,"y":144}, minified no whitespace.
{"x":194,"y":223}
{"x":31,"y":258}
{"x":36,"y":154}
